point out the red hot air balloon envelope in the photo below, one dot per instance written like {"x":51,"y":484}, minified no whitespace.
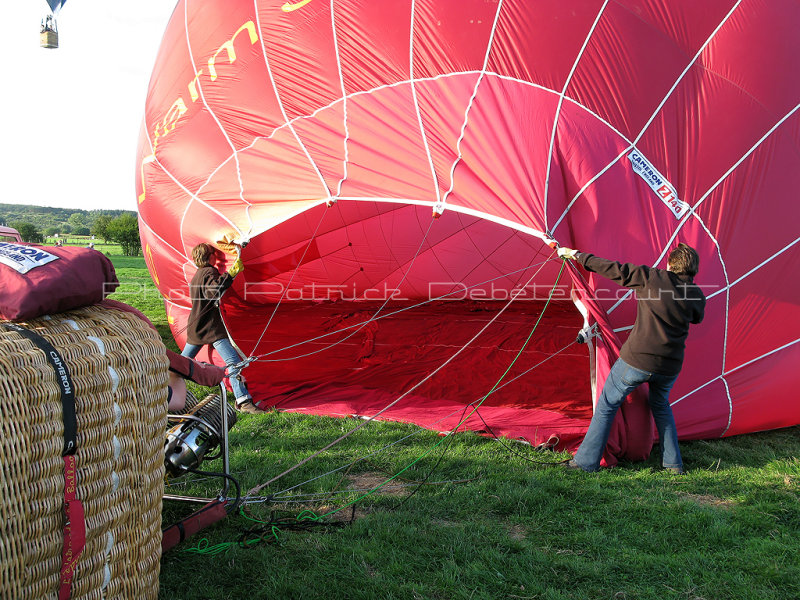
{"x":326,"y":134}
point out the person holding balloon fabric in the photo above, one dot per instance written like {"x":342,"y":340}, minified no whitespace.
{"x":668,"y":301}
{"x":205,"y":325}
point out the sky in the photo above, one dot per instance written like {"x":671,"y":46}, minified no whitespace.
{"x":71,"y":116}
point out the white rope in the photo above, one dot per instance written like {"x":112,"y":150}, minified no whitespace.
{"x":216,"y":120}
{"x":481,"y":76}
{"x":364,"y":323}
{"x":286,"y":288}
{"x":346,"y":158}
{"x":737,"y":368}
{"x":416,"y":103}
{"x":652,"y":117}
{"x":420,"y":429}
{"x":263,"y":357}
{"x":286,"y":120}
{"x":754,"y":269}
{"x":558,"y":108}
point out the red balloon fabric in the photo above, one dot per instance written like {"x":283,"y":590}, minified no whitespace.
{"x":328,"y":135}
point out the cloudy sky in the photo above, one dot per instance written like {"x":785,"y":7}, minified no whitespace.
{"x":71,"y":116}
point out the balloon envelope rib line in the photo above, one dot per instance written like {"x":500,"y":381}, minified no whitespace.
{"x":559,"y":105}
{"x":361,"y":325}
{"x":652,"y":116}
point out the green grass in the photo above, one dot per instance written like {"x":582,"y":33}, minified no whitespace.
{"x":483,"y":521}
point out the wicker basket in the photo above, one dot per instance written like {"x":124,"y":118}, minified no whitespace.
{"x":48,"y":39}
{"x":119,"y":371}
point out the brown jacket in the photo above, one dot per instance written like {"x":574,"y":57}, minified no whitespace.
{"x":666,"y":304}
{"x":205,"y":324}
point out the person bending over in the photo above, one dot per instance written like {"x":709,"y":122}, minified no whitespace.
{"x":668,"y":301}
{"x":205,"y":324}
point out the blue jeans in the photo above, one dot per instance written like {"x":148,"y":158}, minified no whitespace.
{"x":622,"y":380}
{"x":228,"y":353}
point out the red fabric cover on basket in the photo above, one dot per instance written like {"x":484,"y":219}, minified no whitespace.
{"x":43,"y":280}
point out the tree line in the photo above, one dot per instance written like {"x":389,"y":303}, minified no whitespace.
{"x":35,"y":223}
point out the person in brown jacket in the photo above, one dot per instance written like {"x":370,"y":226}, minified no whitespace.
{"x":668,"y":301}
{"x":205,"y":324}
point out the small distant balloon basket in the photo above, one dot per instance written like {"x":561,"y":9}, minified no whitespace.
{"x":49,"y":39}
{"x":48,"y":36}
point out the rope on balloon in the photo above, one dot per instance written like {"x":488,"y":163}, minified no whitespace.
{"x":281,"y":495}
{"x":235,"y":369}
{"x":288,"y":285}
{"x":308,"y":515}
{"x":368,"y":420}
{"x":264,"y":357}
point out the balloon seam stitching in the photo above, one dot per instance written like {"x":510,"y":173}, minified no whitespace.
{"x":195,"y":195}
{"x":416,"y":104}
{"x":710,"y":190}
{"x":561,"y":101}
{"x":346,"y":158}
{"x":736,"y":368}
{"x":219,"y":124}
{"x":754,"y":269}
{"x":288,"y":123}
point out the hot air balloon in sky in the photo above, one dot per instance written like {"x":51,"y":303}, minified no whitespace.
{"x":49,"y":32}
{"x":394,"y":169}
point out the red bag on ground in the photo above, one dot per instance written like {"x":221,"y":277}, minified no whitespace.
{"x":43,"y":280}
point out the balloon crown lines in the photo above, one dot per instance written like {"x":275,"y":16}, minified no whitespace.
{"x":271,"y":291}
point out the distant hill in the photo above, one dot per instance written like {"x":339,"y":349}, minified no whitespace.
{"x":63,"y":219}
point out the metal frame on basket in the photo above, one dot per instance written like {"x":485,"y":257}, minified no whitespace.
{"x":224,"y":451}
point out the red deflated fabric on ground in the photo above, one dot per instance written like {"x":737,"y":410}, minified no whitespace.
{"x":360,"y":370}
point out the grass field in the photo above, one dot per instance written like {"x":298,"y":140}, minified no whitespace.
{"x":470,"y":517}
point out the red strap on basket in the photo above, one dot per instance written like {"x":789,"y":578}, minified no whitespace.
{"x":74,"y":516}
{"x":74,"y":528}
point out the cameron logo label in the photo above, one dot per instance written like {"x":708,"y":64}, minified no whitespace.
{"x":658,"y":183}
{"x":24,"y":258}
{"x":63,"y":375}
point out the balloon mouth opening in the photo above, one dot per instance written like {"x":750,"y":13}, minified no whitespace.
{"x":367,"y":251}
{"x":363,"y":311}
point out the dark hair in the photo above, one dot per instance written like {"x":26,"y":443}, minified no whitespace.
{"x":684,"y":260}
{"x":201,"y":253}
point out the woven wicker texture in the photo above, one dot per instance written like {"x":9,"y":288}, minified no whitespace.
{"x":119,"y":367}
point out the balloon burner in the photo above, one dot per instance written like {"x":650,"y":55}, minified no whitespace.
{"x":198,"y":434}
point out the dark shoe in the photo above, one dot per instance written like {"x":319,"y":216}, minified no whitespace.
{"x":247,"y":407}
{"x":571,"y":464}
{"x":675,"y":470}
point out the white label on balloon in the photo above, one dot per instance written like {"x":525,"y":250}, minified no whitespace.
{"x":24,"y":258}
{"x":658,"y":183}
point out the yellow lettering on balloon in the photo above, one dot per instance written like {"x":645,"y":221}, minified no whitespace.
{"x":148,"y":254}
{"x":193,"y":86}
{"x":145,"y":160}
{"x":179,"y":108}
{"x":228,"y":47}
{"x":167,"y":124}
{"x":289,"y":7}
